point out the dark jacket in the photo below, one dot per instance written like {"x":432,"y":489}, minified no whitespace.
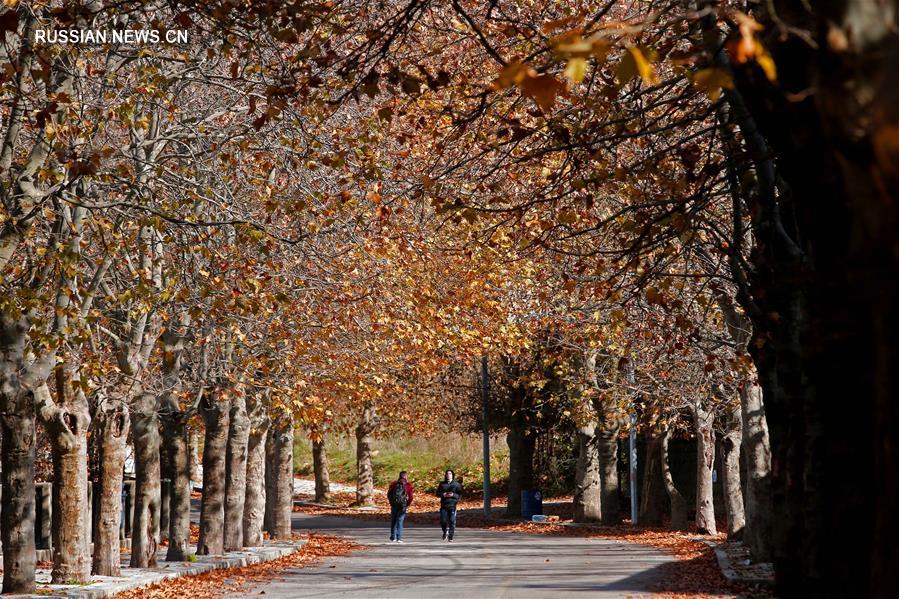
{"x":408,"y":491}
{"x":449,"y":487}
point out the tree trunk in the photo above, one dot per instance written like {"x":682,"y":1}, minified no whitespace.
{"x":165,"y":495}
{"x":678,"y":504}
{"x":733,"y":488}
{"x":826,"y":284}
{"x":587,"y":483}
{"x":17,"y":455}
{"x":758,"y":530}
{"x":66,"y":424}
{"x":652,"y":498}
{"x":705,"y":462}
{"x":254,"y":502}
{"x":212,"y":508}
{"x":587,"y":488}
{"x":71,"y":561}
{"x":607,"y":446}
{"x":320,"y":468}
{"x":269,"y":514}
{"x":236,"y":473}
{"x":521,"y":467}
{"x":145,"y":435}
{"x":112,"y":423}
{"x":175,"y":437}
{"x":759,"y":512}
{"x":17,"y":450}
{"x":282,"y":471}
{"x":193,"y":446}
{"x":365,"y":479}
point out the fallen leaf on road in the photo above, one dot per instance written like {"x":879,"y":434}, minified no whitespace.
{"x":214,"y":584}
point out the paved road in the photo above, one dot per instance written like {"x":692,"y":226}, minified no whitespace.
{"x":477,"y":564}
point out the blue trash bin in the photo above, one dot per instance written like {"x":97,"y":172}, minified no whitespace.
{"x":531,"y":503}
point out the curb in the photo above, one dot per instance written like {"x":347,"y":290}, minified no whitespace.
{"x":299,"y":502}
{"x":728,"y":571}
{"x":46,"y":555}
{"x":133,"y":578}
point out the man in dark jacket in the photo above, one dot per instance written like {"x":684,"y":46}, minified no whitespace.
{"x":449,"y":492}
{"x":400,"y":496}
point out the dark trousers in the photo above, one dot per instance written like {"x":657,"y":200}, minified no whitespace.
{"x":448,"y":520}
{"x":396,"y":523}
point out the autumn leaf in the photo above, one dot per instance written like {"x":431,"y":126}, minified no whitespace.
{"x":764,"y":59}
{"x":576,"y":69}
{"x":573,"y":45}
{"x":512,"y":74}
{"x":747,"y":47}
{"x":634,"y":63}
{"x":543,"y":89}
{"x":712,"y":81}
{"x":557,"y":24}
{"x":385,"y":114}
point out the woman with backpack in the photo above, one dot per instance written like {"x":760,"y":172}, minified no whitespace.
{"x":449,"y":491}
{"x":400,"y":497}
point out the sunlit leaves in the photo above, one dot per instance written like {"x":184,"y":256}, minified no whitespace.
{"x":576,"y":50}
{"x":635,"y":63}
{"x":576,"y":69}
{"x":542,"y":89}
{"x":512,"y":74}
{"x":748,"y":47}
{"x":713,"y":81}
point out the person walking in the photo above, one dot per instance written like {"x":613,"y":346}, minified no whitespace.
{"x":399,"y":494}
{"x":449,"y":491}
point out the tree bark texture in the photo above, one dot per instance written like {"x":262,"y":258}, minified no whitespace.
{"x":703,"y":421}
{"x":17,"y":452}
{"x":282,"y":471}
{"x":825,"y":285}
{"x":521,"y":467}
{"x":147,"y":500}
{"x":254,"y":502}
{"x":365,"y":478}
{"x":652,"y":492}
{"x":758,"y":534}
{"x":175,"y":437}
{"x":678,"y":504}
{"x":733,"y":488}
{"x":66,"y":423}
{"x":587,"y":487}
{"x":236,"y":473}
{"x":756,"y":449}
{"x":607,"y":444}
{"x":320,"y":469}
{"x":610,"y":420}
{"x":212,"y":507}
{"x":269,"y":514}
{"x":587,"y":482}
{"x":112,"y":422}
{"x":193,"y":441}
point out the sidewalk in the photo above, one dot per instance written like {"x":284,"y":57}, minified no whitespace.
{"x":132,"y":578}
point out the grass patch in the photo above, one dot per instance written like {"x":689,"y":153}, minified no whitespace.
{"x":425,"y":459}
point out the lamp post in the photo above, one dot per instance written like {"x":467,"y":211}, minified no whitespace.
{"x":632,"y":446}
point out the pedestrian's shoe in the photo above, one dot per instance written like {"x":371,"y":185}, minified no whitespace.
{"x":400,"y":541}
{"x":444,"y":536}
{"x":450,"y":539}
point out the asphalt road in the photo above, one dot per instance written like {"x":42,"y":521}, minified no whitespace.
{"x":479,"y":563}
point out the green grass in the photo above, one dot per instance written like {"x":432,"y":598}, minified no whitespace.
{"x":425,"y":459}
